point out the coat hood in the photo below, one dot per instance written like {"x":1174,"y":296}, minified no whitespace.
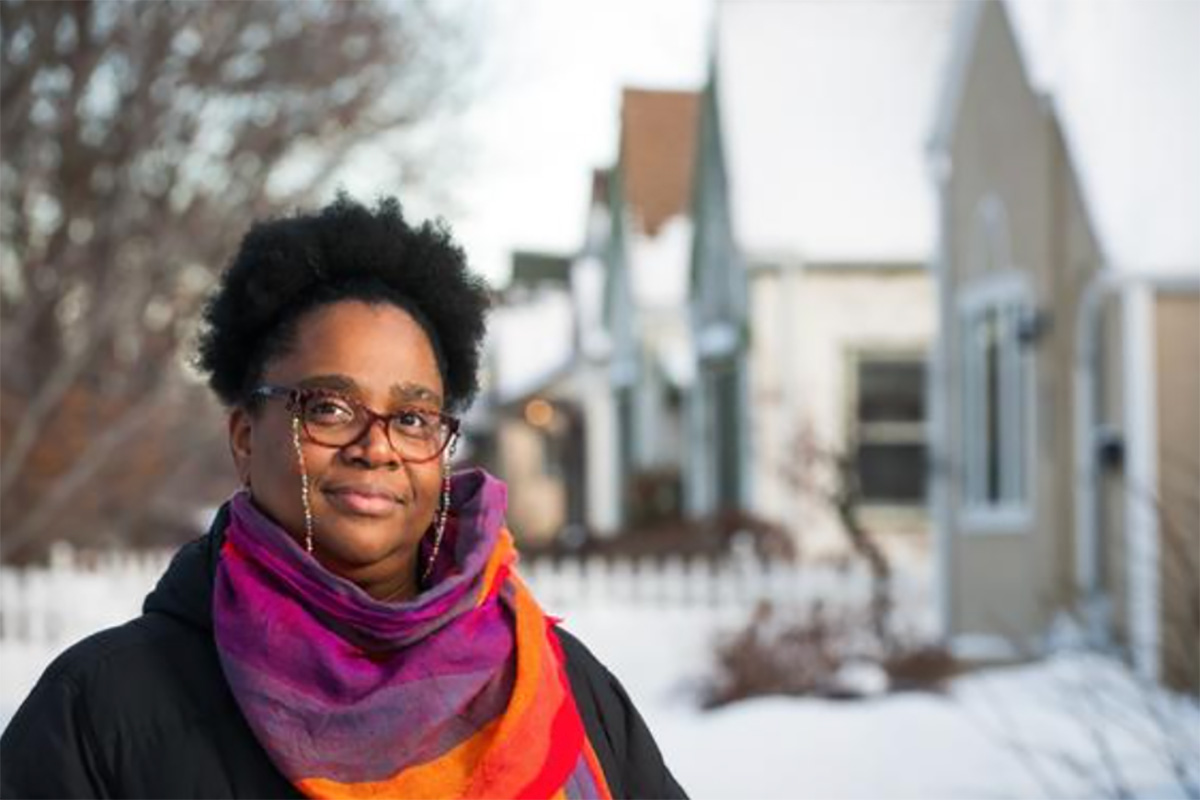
{"x":185,"y":590}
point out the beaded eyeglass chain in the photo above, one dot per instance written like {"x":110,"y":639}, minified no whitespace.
{"x":443,"y":510}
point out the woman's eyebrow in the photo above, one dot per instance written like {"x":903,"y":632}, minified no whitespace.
{"x":415,"y":392}
{"x":401,"y":393}
{"x":339,"y":382}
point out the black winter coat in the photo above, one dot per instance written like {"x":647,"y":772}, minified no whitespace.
{"x":143,"y":710}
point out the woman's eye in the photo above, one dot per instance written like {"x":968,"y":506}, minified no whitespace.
{"x":412,"y":422}
{"x":329,"y":411}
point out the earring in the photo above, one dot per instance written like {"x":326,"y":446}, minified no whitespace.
{"x":308,"y":516}
{"x":439,"y":525}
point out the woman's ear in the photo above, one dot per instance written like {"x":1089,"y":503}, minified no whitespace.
{"x":240,"y":442}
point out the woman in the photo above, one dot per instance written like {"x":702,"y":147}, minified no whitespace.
{"x":352,"y":625}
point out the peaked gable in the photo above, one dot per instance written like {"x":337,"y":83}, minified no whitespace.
{"x":1123,"y":80}
{"x":657,"y":151}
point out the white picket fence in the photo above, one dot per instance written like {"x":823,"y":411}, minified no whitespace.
{"x":699,"y":583}
{"x":82,"y":592}
{"x":77,"y":594}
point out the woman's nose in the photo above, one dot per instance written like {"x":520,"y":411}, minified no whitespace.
{"x":374,"y":448}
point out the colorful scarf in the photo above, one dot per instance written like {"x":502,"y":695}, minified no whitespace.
{"x":460,"y":692}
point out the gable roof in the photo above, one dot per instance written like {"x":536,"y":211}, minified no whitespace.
{"x":1124,"y":79}
{"x":657,"y":153}
{"x":825,"y":110}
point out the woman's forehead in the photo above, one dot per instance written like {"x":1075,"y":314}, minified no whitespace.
{"x":374,"y":350}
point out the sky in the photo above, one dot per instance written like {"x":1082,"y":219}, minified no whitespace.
{"x":546,"y":112}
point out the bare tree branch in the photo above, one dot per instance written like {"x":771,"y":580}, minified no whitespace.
{"x":139,"y":139}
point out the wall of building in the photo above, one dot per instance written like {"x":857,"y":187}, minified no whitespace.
{"x":1177,"y":369}
{"x":808,"y":324}
{"x":536,"y":499}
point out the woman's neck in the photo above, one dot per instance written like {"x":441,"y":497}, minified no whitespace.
{"x":392,"y":580}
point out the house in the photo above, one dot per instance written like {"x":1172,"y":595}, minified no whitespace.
{"x":811,"y":306}
{"x":1066,"y":155}
{"x":645,"y":262}
{"x":528,"y":428}
{"x":585,"y":407}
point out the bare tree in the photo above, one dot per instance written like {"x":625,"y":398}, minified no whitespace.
{"x":831,"y":477}
{"x":138,"y":139}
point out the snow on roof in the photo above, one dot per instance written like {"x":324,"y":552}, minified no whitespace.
{"x":587,"y":295}
{"x":530,"y":342}
{"x":825,"y":111}
{"x":659,"y":265}
{"x":1125,"y":80}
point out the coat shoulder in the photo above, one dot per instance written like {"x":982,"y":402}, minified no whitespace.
{"x":632,"y":762}
{"x":113,"y":651}
{"x":141,"y":709}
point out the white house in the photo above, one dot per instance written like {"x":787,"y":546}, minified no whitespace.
{"x":812,"y":307}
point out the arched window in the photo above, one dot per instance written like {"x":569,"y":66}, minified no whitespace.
{"x":996,"y":367}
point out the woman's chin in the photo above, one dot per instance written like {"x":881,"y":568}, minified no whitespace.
{"x":361,"y":545}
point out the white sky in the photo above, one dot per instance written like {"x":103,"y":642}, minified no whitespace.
{"x":547,"y":114}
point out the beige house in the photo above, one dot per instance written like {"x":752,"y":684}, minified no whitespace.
{"x":819,"y":113}
{"x":1064,"y":392}
{"x":588,"y":427}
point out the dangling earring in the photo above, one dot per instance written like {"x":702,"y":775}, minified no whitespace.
{"x":308,"y":517}
{"x":439,"y":525}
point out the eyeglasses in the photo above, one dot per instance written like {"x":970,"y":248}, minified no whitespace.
{"x":334,"y":420}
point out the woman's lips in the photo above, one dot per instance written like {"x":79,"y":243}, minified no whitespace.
{"x":367,"y":502}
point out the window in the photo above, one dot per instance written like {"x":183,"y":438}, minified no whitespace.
{"x":996,"y":375}
{"x":890,"y":429}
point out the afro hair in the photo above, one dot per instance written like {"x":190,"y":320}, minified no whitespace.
{"x":289,"y":266}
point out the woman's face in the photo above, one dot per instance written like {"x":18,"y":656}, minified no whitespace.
{"x":370,"y":508}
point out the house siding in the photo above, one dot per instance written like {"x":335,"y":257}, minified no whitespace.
{"x":809,"y":324}
{"x":1007,"y":154}
{"x":1177,"y":345}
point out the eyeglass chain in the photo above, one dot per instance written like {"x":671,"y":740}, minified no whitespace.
{"x":443,"y":510}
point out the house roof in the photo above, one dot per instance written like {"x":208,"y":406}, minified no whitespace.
{"x":528,"y":342}
{"x":825,"y":111}
{"x":658,"y":144}
{"x":1124,"y":79}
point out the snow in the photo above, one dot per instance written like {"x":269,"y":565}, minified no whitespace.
{"x":969,"y":743}
{"x":1124,"y":79}
{"x":825,"y":108}
{"x":659,"y":264}
{"x":529,"y":342}
{"x":587,"y":295}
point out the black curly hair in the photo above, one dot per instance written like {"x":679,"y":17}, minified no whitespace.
{"x":289,"y":266}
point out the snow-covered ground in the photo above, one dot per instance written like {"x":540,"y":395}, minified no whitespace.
{"x":1073,"y":726}
{"x":1032,"y":731}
